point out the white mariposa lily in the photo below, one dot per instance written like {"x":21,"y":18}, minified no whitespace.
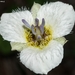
{"x":38,"y":34}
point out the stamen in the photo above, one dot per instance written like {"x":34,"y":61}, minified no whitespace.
{"x":36,"y":22}
{"x":37,"y":30}
{"x":32,"y":28}
{"x":43,"y":21}
{"x":26,"y":24}
{"x":42,"y":26}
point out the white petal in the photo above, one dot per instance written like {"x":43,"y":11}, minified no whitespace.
{"x":35,"y":9}
{"x":42,"y":61}
{"x":60,"y":16}
{"x":11,"y":27}
{"x":18,"y":46}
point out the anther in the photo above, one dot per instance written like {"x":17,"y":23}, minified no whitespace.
{"x":33,"y":29}
{"x":36,"y":22}
{"x":42,"y":26}
{"x":26,"y":24}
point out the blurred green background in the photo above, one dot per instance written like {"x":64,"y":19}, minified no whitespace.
{"x":9,"y":60}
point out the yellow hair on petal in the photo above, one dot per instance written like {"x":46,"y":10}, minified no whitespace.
{"x":42,"y":43}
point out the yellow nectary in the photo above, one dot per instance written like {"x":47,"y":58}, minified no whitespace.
{"x":31,"y":40}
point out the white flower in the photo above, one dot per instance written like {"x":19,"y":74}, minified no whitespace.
{"x":38,"y":34}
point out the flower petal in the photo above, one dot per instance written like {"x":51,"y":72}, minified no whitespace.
{"x":60,"y":16}
{"x":18,"y":46}
{"x":42,"y":61}
{"x":11,"y":27}
{"x":61,"y":40}
{"x":35,"y":9}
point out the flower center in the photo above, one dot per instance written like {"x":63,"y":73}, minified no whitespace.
{"x":39,"y":35}
{"x":37,"y":30}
